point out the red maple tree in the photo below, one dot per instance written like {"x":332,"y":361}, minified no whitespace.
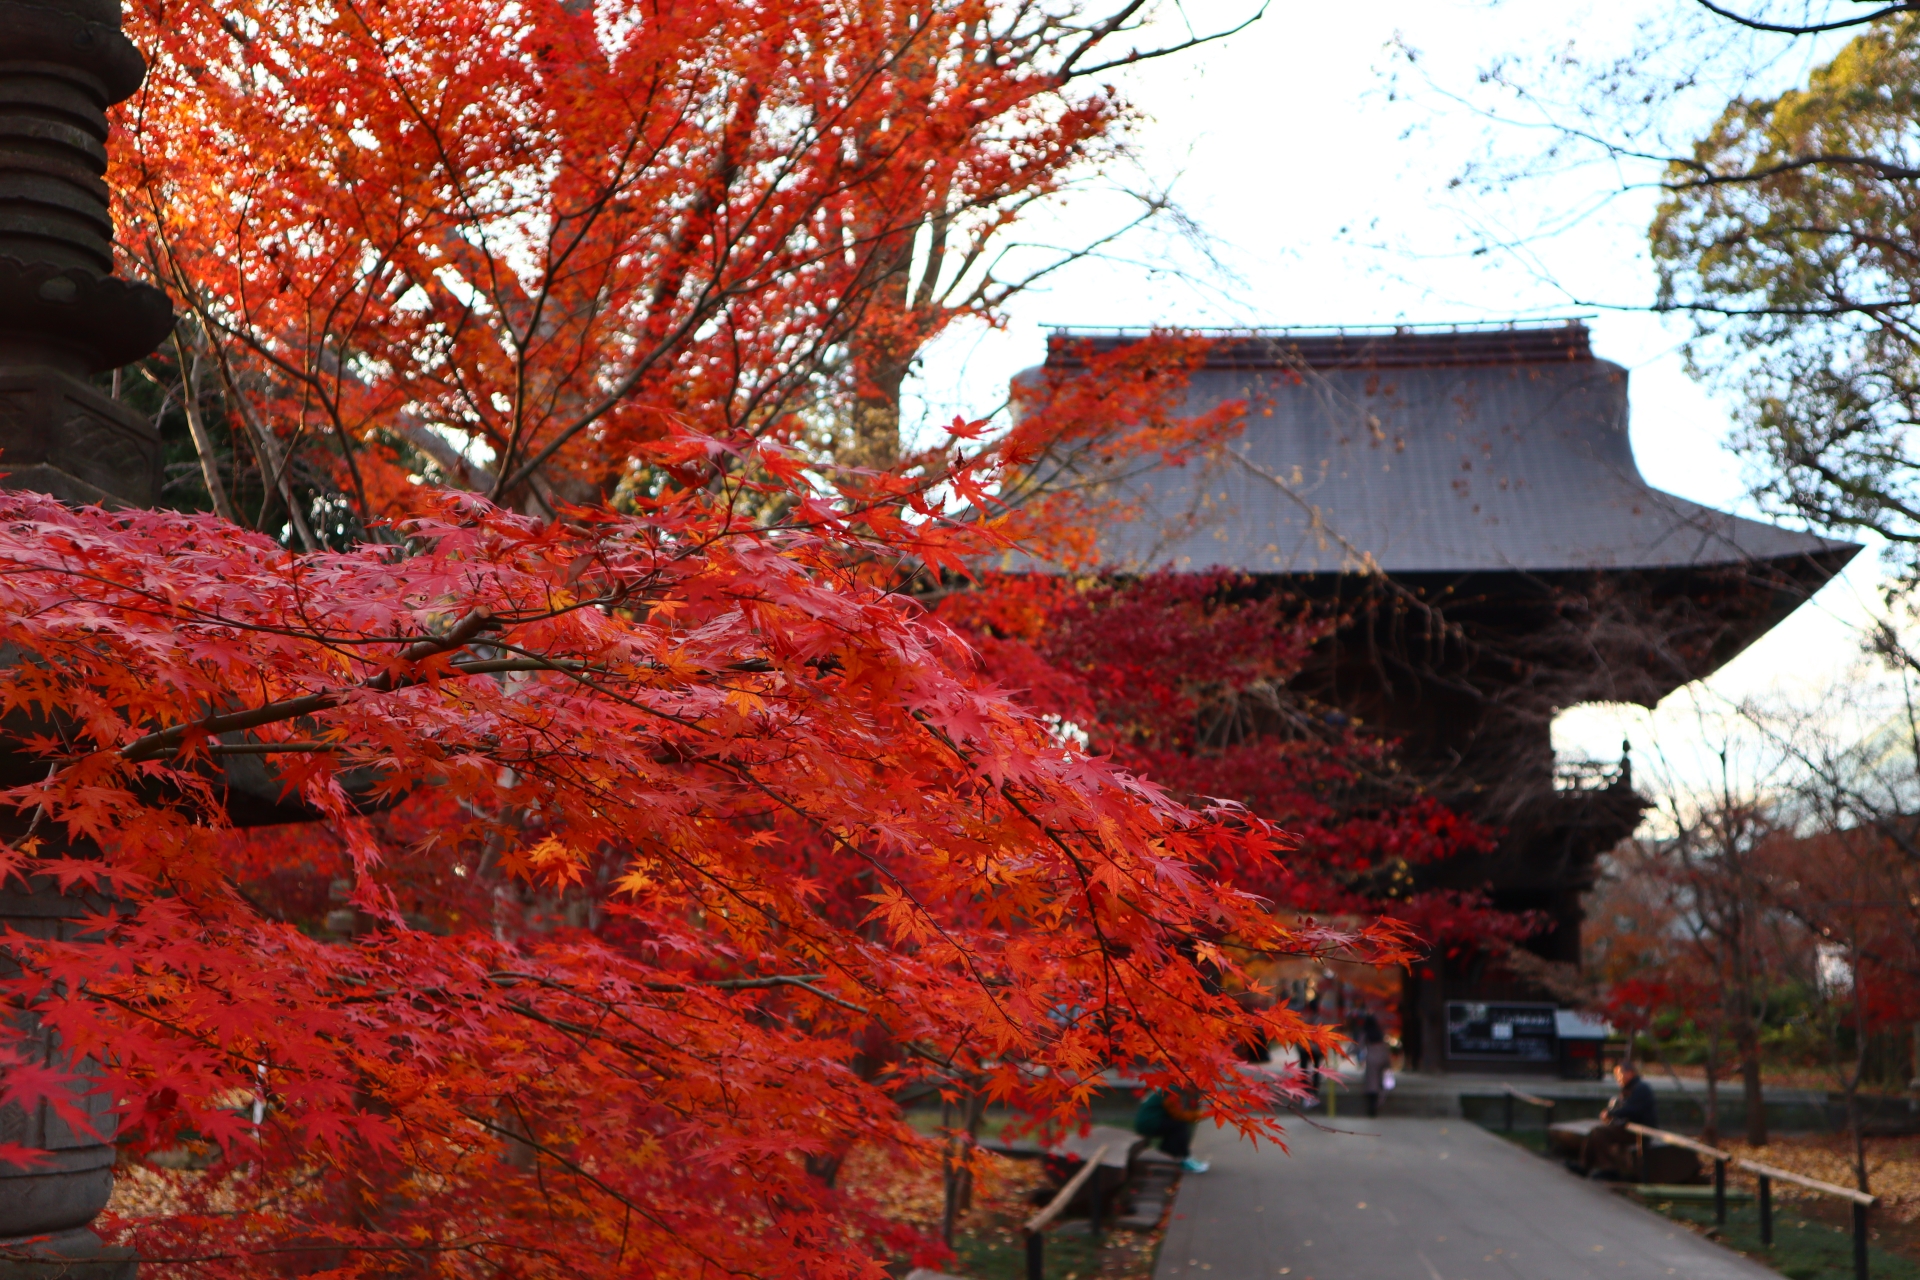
{"x":674,"y":841}
{"x":506,"y":256}
{"x":803,"y":822}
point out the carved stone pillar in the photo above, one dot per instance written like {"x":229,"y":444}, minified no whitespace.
{"x":63,"y":319}
{"x":63,"y":316}
{"x":45,"y":1207}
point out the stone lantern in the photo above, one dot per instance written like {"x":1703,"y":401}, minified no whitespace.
{"x":63,"y":316}
{"x":63,"y":319}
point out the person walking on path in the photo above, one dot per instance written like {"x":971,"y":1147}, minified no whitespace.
{"x":1170,"y":1118}
{"x":1604,"y":1144}
{"x":1312,"y":1056}
{"x":1377,"y":1061}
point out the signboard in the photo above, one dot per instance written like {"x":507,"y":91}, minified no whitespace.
{"x":1580,"y":1026}
{"x":1501,"y":1032}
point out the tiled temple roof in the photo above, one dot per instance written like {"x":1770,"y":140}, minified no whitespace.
{"x":1423,"y":451}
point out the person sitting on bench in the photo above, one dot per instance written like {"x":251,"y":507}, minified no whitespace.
{"x":1609,"y":1141}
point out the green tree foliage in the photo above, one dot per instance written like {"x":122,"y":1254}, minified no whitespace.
{"x":1792,"y":234}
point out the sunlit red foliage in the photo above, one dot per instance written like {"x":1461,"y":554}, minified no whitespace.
{"x":515,"y":250}
{"x":809,"y":831}
{"x":660,"y":839}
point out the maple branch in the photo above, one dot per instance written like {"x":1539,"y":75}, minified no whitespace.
{"x":713,"y":296}
{"x":600,"y":408}
{"x":1105,"y":30}
{"x":1111,"y":963}
{"x":197,"y":428}
{"x":167,"y":741}
{"x":293,"y":708}
{"x":801,"y":981}
{"x":270,"y":748}
{"x":273,"y":469}
{"x":827,"y":831}
{"x":573,"y":1168}
{"x":804,"y":981}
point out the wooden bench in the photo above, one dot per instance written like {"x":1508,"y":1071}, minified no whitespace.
{"x":1650,"y":1159}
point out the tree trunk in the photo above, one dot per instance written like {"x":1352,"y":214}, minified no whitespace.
{"x":876,"y":414}
{"x":825,"y":1167}
{"x":883,"y":351}
{"x":197,"y":428}
{"x":976,"y":1112}
{"x":1750,"y":1090}
{"x":950,"y":1182}
{"x":959,"y":1179}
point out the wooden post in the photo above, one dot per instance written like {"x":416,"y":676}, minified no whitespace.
{"x":1720,"y":1192}
{"x":1036,"y":1256}
{"x":1766,"y":1211}
{"x":1859,"y":1241}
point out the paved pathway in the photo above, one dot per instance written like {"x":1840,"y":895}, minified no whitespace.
{"x":1416,"y":1199}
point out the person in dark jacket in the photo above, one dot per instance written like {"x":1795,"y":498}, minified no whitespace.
{"x":1378,"y":1060}
{"x":1312,"y":1056}
{"x":1170,"y":1118}
{"x":1609,"y":1144}
{"x":1634,"y":1103}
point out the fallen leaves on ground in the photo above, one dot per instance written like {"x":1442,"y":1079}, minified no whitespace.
{"x":1893,"y":1167}
{"x":1002,"y":1200}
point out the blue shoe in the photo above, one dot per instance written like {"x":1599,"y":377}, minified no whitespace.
{"x":1195,"y":1166}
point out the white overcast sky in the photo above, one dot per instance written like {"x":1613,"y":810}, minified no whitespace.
{"x":1320,"y":164}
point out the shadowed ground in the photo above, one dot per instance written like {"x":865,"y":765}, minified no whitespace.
{"x":1416,"y":1199}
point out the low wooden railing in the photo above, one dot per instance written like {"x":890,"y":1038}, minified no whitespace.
{"x":1037,"y":1225}
{"x":1766,"y":1175}
{"x":1514,"y":1094}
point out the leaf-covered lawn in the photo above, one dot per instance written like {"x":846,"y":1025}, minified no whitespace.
{"x":987,"y":1243}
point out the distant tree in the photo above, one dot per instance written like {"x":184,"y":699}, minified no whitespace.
{"x":1836,"y":885}
{"x":1863,"y":791}
{"x":1687,"y":937}
{"x":1646,"y":967}
{"x":1850,"y":877}
{"x":1789,"y":234}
